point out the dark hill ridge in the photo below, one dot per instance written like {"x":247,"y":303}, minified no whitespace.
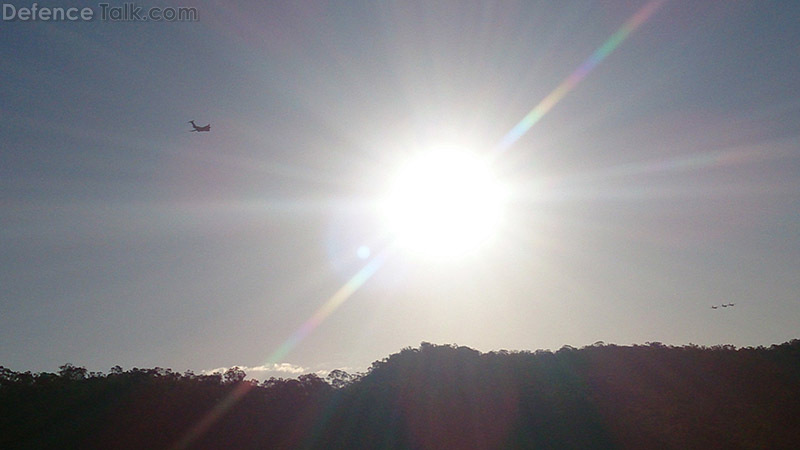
{"x":431,"y":397}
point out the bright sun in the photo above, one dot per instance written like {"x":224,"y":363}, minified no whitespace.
{"x":444,"y":204}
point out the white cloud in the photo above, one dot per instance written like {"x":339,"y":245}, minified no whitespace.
{"x":281,"y":368}
{"x":264,"y":372}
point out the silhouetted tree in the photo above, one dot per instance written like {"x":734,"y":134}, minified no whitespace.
{"x":234,"y":375}
{"x":70,"y":372}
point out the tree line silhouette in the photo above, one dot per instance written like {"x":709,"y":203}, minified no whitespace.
{"x":431,"y":397}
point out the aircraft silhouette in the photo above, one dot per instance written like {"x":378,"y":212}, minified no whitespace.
{"x":731,"y":304}
{"x":724,"y":305}
{"x":714,"y":307}
{"x":196,"y":128}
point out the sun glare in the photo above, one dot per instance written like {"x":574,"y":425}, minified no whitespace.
{"x":444,"y":204}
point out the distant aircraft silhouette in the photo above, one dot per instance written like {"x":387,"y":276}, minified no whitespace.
{"x":724,"y":305}
{"x":196,"y":128}
{"x":714,"y":307}
{"x":731,"y":304}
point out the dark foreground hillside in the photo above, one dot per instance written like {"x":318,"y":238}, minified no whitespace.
{"x":433,"y":397}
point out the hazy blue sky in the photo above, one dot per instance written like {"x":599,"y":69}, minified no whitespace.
{"x":666,"y":181}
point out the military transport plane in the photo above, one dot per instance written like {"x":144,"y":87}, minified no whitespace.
{"x":197,"y":128}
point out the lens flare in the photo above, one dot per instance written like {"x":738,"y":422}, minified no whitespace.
{"x":347,"y":290}
{"x":536,"y":114}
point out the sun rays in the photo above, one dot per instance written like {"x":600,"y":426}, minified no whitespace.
{"x":427,"y":211}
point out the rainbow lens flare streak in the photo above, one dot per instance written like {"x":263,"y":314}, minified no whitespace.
{"x":305,"y":329}
{"x":328,"y":307}
{"x":212,"y":416}
{"x":536,"y":114}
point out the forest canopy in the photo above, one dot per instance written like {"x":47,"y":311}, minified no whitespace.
{"x":433,"y":396}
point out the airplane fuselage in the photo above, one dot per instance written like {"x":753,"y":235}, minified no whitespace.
{"x":203,"y":128}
